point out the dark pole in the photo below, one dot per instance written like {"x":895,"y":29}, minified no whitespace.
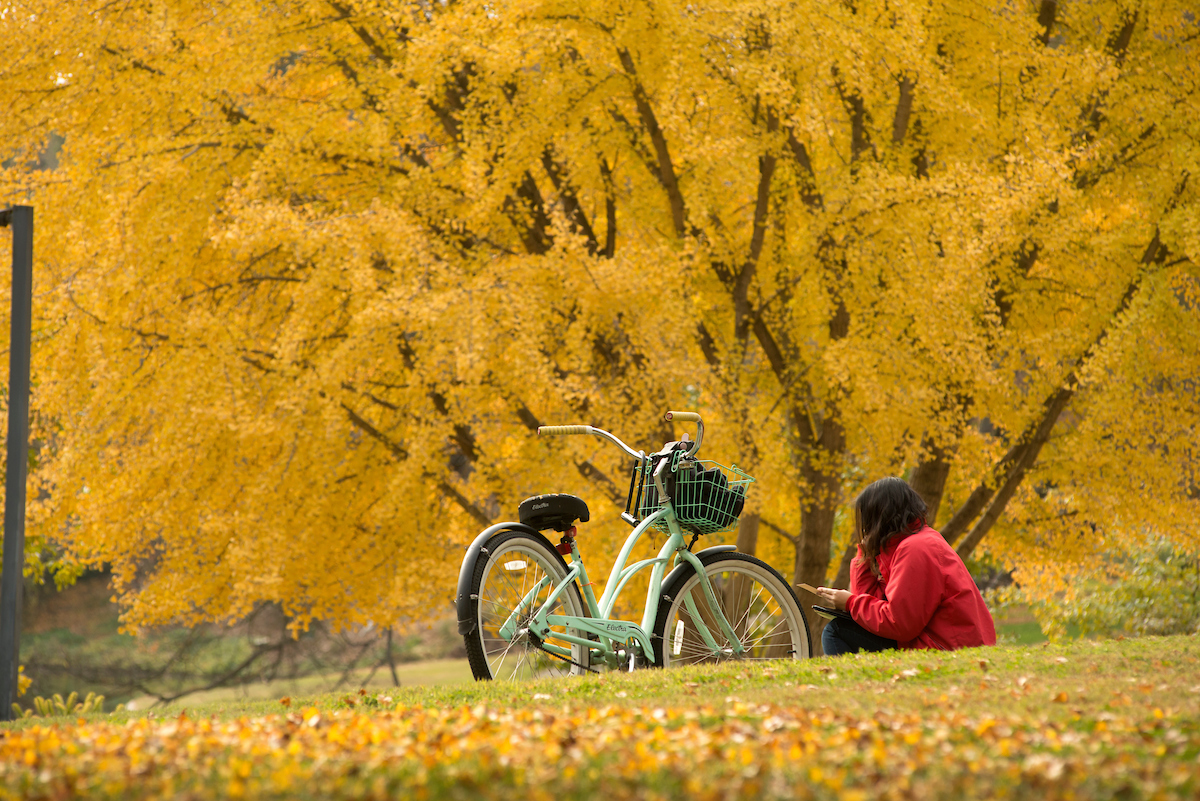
{"x":12,"y":580}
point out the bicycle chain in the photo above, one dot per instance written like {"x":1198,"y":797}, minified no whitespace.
{"x":538,"y":642}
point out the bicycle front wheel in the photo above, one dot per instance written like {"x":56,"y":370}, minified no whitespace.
{"x":757,"y":602}
{"x":506,"y":593}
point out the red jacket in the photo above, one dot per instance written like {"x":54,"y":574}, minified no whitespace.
{"x":925,"y":599}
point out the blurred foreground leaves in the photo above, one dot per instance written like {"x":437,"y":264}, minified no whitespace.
{"x":745,"y":750}
{"x":1000,"y":723}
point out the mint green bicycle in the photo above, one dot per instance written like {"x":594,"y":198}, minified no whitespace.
{"x":524,"y":612}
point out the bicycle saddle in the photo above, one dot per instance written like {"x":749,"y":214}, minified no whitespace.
{"x":557,"y":511}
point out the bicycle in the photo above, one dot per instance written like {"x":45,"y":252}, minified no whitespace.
{"x":524,"y":612}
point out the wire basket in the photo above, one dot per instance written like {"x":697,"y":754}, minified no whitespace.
{"x":707,"y":497}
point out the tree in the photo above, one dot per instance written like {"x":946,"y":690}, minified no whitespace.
{"x":320,"y":269}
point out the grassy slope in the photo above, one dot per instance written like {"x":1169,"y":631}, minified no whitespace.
{"x":1087,"y":719}
{"x":422,"y":673}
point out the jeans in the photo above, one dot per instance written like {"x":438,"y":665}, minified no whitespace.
{"x":847,"y":637}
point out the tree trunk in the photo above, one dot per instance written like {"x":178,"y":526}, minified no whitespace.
{"x":812,"y":556}
{"x":816,"y":535}
{"x":816,"y":521}
{"x":842,"y":579}
{"x":747,"y":533}
{"x":929,"y":480}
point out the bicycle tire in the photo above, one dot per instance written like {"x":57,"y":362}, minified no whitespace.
{"x":515,"y":562}
{"x":771,"y":625}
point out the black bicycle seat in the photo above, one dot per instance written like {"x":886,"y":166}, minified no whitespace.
{"x":557,"y":511}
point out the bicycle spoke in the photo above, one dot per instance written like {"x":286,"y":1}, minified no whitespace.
{"x":508,"y":579}
{"x":755,"y":636}
{"x":519,"y":578}
{"x":520,"y":662}
{"x":749,"y":606}
{"x":503,"y":656}
{"x":761,"y":620}
{"x":744,"y":619}
{"x":767,"y":635}
{"x":695,"y":649}
{"x":763,"y":624}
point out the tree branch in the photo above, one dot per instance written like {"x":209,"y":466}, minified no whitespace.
{"x":1023,"y":455}
{"x":570,"y":201}
{"x":610,"y":209}
{"x":585,"y":467}
{"x":470,"y":508}
{"x":528,"y":215}
{"x":808,"y":179}
{"x":396,"y":449}
{"x":1047,"y":14}
{"x":741,"y":288}
{"x":666,"y":170}
{"x":860,"y":140}
{"x":903,"y":109}
{"x":794,"y":539}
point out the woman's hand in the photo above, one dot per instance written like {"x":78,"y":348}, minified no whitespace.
{"x":835,"y":598}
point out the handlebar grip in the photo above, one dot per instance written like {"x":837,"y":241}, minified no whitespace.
{"x":683,"y":417}
{"x":559,"y":431}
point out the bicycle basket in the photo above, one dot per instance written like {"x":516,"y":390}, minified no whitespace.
{"x":708,"y":497}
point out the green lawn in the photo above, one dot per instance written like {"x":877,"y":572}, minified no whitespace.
{"x":1019,"y":630}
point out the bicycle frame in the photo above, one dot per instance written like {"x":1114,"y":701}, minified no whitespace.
{"x":600,"y":623}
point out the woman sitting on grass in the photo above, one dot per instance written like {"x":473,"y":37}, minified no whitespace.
{"x":908,"y":587}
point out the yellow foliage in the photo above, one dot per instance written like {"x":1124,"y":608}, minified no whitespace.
{"x":309,"y":273}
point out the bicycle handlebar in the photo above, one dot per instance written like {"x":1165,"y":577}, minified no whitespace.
{"x":562,"y":431}
{"x":689,"y":417}
{"x":559,"y":431}
{"x":683,"y":417}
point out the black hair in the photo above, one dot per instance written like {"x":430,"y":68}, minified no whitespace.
{"x":885,"y":510}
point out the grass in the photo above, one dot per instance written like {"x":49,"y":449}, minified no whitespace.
{"x":1085,"y":719}
{"x":1015,"y":625}
{"x":1022,"y":633}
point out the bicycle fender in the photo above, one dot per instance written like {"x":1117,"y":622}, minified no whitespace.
{"x":462,"y":600}
{"x":682,"y":566}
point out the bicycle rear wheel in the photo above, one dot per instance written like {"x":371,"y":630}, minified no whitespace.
{"x":757,"y":602}
{"x":516,"y":561}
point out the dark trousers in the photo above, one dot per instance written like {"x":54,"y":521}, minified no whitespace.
{"x":847,"y":637}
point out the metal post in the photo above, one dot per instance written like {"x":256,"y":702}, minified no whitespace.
{"x":12,"y":580}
